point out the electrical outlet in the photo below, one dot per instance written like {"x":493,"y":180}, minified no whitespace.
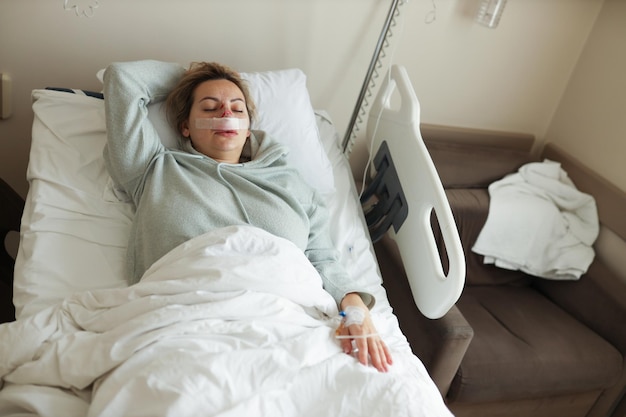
{"x":6,"y":108}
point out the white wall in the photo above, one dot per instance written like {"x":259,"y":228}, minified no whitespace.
{"x":591,"y":118}
{"x":511,"y":78}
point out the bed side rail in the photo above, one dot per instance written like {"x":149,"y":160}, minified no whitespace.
{"x":434,"y":291}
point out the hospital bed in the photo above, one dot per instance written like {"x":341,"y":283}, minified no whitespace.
{"x":186,"y":340}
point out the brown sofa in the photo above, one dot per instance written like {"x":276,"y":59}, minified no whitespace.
{"x":516,"y":345}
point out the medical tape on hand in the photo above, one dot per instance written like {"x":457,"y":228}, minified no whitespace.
{"x":353,"y":315}
{"x":222,"y":123}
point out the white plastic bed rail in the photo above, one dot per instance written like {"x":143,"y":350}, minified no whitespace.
{"x":434,"y":292}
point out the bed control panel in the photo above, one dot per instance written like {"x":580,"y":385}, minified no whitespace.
{"x":389,"y":207}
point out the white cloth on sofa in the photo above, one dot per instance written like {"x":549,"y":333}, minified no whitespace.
{"x":539,"y":223}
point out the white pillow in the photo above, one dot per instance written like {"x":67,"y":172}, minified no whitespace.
{"x":284,"y":111}
{"x":74,"y":231}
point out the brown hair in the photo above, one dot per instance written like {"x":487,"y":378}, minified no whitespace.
{"x":180,"y":99}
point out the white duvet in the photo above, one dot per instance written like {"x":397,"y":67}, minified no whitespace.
{"x":231,"y":323}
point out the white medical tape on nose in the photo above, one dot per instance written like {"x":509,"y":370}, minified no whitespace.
{"x":222,"y":123}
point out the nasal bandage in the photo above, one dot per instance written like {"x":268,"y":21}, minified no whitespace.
{"x":222,"y":123}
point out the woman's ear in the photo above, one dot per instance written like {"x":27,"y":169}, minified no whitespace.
{"x":184,"y":130}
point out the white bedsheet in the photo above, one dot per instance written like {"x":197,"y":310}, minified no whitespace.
{"x":232,"y":323}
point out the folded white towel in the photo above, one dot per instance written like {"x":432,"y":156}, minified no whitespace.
{"x":539,"y":223}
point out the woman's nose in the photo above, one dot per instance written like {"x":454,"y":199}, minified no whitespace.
{"x":227,"y":113}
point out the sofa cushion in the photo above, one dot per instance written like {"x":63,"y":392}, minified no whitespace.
{"x":470,"y":207}
{"x":524,"y":346}
{"x":598,"y":299}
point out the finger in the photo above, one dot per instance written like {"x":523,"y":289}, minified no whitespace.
{"x":346,"y":345}
{"x":387,"y":352}
{"x":377,"y":354}
{"x":361,"y":344}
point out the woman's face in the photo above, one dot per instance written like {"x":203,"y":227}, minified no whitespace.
{"x":217,"y":98}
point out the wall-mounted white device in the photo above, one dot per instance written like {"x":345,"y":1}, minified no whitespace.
{"x":6,"y":107}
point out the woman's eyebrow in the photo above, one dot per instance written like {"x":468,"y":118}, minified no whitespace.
{"x":207,"y":98}
{"x":216,"y":99}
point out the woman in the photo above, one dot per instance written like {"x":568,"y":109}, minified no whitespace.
{"x":223,"y":175}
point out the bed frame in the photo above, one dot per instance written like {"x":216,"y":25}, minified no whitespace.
{"x":404,"y":207}
{"x":416,"y":201}
{"x":10,"y":217}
